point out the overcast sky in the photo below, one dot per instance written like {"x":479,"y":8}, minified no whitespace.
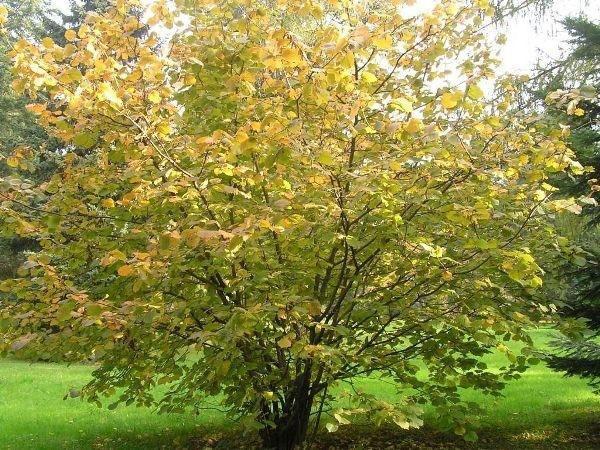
{"x":527,"y":39}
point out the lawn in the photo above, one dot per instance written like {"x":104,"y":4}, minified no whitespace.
{"x":541,"y":410}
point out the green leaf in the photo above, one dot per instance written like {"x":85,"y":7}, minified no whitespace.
{"x":85,"y":140}
{"x":588,"y":91}
{"x":460,"y":430}
{"x":325,"y":158}
{"x":93,"y":310}
{"x":53,"y":222}
{"x":470,"y":436}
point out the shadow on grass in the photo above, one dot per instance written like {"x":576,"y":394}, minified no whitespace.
{"x":113,"y":438}
{"x":166,"y":439}
{"x":581,"y":434}
{"x":584,"y":436}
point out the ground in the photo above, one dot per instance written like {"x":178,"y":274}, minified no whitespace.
{"x":543,"y":410}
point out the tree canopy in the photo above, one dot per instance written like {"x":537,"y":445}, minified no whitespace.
{"x":282,"y":198}
{"x":572,"y":84}
{"x":34,"y":20}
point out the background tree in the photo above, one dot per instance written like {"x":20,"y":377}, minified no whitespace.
{"x":293,"y":195}
{"x":572,"y":84}
{"x":78,"y":10}
{"x":34,"y":20}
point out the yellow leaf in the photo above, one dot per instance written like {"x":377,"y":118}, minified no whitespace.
{"x":191,"y":237}
{"x":11,"y":161}
{"x":292,"y":56}
{"x":368,"y":77}
{"x":189,"y":80}
{"x":452,"y":9}
{"x":70,"y":35}
{"x":107,"y":93}
{"x":402,"y":104}
{"x":264,"y":223}
{"x":48,"y":42}
{"x":241,"y":137}
{"x":494,"y":121}
{"x":154,"y":97}
{"x":474,"y":92}
{"x":74,"y":74}
{"x":273,"y":63}
{"x":447,"y":275}
{"x":449,"y":100}
{"x":164,"y":128}
{"x":284,"y":342}
{"x":3,"y":14}
{"x":108,"y":203}
{"x":125,"y":270}
{"x":414,"y":125}
{"x":383,"y":42}
{"x":396,"y":166}
{"x":314,"y":308}
{"x":522,"y":160}
{"x":347,"y":61}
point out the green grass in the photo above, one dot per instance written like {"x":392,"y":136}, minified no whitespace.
{"x":33,"y":414}
{"x":541,"y":408}
{"x":541,"y":397}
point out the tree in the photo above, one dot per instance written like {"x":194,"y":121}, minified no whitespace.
{"x":572,"y":85}
{"x":289,"y":196}
{"x":34,"y":20}
{"x":78,"y":10}
{"x":578,"y":354}
{"x":20,"y":130}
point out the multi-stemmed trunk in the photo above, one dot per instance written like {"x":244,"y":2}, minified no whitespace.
{"x":291,"y":422}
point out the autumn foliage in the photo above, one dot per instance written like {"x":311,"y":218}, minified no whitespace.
{"x":263,"y":200}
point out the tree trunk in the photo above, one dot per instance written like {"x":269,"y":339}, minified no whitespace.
{"x":291,"y":423}
{"x":289,"y":433}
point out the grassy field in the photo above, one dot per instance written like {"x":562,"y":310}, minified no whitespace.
{"x":541,"y":410}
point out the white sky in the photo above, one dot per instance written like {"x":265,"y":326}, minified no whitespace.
{"x":527,"y":40}
{"x":63,"y":5}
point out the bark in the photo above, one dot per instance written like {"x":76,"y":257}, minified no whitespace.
{"x":292,"y":420}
